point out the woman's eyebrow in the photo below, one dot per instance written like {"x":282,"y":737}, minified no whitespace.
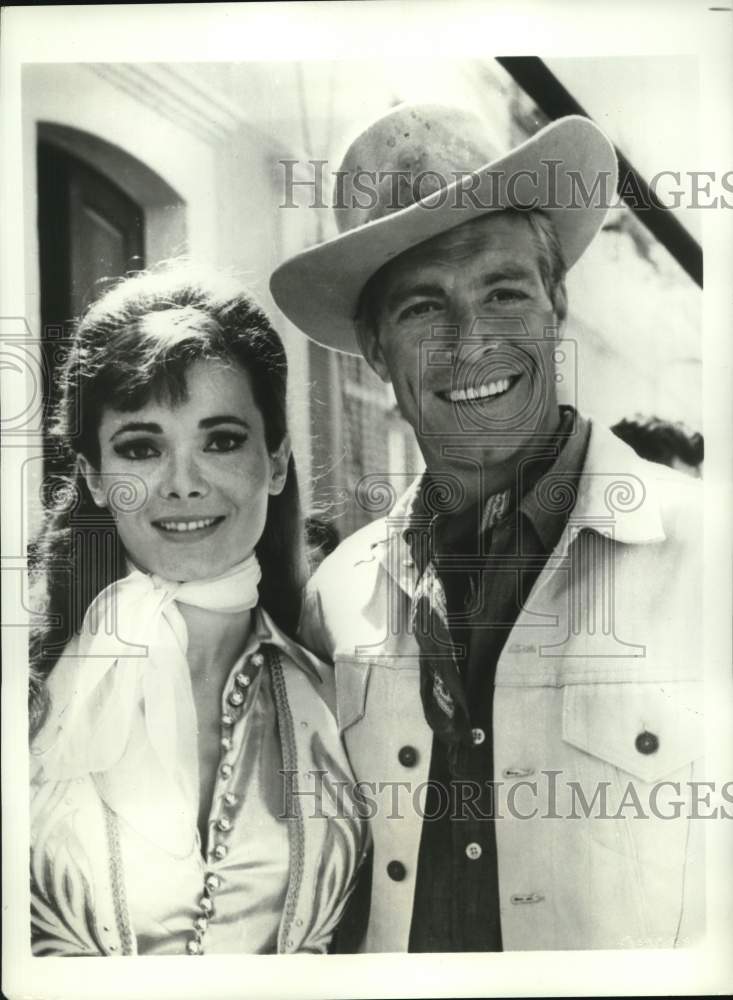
{"x":224,"y":418}
{"x":137,"y":425}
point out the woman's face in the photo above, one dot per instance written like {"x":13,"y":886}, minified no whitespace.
{"x":188,"y":485}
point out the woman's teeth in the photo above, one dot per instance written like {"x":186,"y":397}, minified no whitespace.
{"x":186,"y":525}
{"x":480,"y":391}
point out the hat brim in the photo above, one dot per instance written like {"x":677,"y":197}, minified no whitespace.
{"x":318,"y":289}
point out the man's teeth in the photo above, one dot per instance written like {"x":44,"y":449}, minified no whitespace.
{"x":186,"y":525}
{"x":480,"y":391}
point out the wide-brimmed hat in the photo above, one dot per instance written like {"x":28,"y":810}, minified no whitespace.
{"x":421,"y":170}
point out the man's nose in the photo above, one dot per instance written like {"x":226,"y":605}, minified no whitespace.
{"x":183,"y":478}
{"x":472,"y":322}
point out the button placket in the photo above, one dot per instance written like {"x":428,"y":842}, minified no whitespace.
{"x":235,"y":699}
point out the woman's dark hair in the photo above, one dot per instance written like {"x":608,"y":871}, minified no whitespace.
{"x":124,"y":352}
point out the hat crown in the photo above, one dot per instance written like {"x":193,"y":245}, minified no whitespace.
{"x":404,"y":157}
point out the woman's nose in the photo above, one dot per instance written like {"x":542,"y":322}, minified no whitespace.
{"x":183,"y":479}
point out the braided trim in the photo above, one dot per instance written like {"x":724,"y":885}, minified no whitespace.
{"x":117,"y":880}
{"x":294,"y":811}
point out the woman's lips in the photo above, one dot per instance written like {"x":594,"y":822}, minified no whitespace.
{"x":187,"y":528}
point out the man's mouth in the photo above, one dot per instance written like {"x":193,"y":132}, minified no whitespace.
{"x":186,"y":526}
{"x":484,"y":390}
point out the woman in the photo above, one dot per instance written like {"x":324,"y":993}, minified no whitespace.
{"x":188,"y":780}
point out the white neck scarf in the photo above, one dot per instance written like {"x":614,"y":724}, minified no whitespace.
{"x":131,"y":719}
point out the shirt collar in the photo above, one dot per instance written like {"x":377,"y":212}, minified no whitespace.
{"x":548,"y":519}
{"x":549,"y":501}
{"x":265,"y":631}
{"x":616,"y":496}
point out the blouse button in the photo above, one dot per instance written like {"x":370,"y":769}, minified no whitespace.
{"x":220,"y":851}
{"x":227,"y":720}
{"x":206,"y":905}
{"x":226,"y":770}
{"x":236,"y":698}
{"x":193,"y":947}
{"x":226,"y":743}
{"x":230,"y":799}
{"x":243,"y":680}
{"x":212,"y":882}
{"x":224,"y":824}
{"x":201,"y":923}
{"x":258,"y":659}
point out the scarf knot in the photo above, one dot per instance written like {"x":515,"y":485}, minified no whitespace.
{"x":130,"y":718}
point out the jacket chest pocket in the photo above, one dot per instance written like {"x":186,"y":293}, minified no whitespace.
{"x":647,"y":730}
{"x":637,"y":746}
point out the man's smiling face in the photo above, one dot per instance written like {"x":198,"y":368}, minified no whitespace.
{"x":462,"y":335}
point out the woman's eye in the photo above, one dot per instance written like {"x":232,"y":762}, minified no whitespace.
{"x":136,"y":451}
{"x":419,"y":309}
{"x":225,"y":441}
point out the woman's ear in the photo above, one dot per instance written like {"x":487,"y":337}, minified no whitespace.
{"x":279,"y":467}
{"x":93,"y":480}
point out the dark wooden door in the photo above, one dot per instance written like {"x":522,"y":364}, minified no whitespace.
{"x":88,"y":229}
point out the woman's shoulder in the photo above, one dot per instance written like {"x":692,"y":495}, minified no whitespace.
{"x":299,"y":665}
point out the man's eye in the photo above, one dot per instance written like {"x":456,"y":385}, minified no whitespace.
{"x":419,"y":309}
{"x":136,"y":451}
{"x":507,"y":295}
{"x":225,"y":441}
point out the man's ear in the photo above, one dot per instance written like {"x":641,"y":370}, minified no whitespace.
{"x":279,"y":467}
{"x":368,"y":340}
{"x":93,"y":480}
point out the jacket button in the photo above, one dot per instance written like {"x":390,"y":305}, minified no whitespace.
{"x":477,"y":737}
{"x":647,"y":742}
{"x":407,"y":756}
{"x":396,"y":871}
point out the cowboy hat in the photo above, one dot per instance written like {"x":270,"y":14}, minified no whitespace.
{"x":421,"y":170}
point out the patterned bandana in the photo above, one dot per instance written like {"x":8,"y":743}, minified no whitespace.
{"x":441,"y":685}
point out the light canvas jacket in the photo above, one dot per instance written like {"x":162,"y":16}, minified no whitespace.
{"x":79,"y":891}
{"x":606,"y":650}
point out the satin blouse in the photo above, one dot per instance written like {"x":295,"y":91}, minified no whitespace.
{"x":228,"y":895}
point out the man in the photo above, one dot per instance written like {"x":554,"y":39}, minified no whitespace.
{"x":516,"y":644}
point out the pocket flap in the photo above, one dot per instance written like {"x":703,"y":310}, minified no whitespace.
{"x":352,"y":677}
{"x":649,"y":730}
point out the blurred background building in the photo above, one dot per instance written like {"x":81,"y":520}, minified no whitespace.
{"x":130,"y":164}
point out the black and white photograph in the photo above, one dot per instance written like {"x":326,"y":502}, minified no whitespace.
{"x":366,"y":457}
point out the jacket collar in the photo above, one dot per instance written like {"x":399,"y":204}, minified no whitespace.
{"x":616,"y":497}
